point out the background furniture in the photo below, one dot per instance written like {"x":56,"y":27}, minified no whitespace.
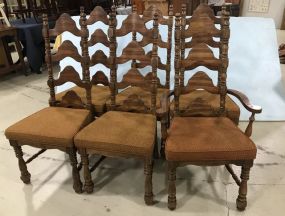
{"x":8,"y":34}
{"x":30,"y":35}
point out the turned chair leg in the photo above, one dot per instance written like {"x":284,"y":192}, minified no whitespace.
{"x":164,"y":126}
{"x":171,"y":186}
{"x":241,"y":201}
{"x":77,"y":184}
{"x":88,"y":183}
{"x":25,"y":175}
{"x":148,"y":196}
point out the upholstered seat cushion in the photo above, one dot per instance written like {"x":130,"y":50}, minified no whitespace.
{"x":144,"y":95}
{"x":99,"y":94}
{"x":202,"y":97}
{"x":52,"y":126}
{"x":119,"y":134}
{"x":207,"y":138}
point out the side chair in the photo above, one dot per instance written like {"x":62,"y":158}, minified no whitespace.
{"x":54,"y":127}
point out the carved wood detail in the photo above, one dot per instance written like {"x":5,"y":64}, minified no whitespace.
{"x":66,"y":49}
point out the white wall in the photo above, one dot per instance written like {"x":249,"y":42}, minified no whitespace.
{"x":275,"y":11}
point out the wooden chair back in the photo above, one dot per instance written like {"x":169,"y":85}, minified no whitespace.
{"x":201,"y":30}
{"x":98,"y":36}
{"x":134,"y":51}
{"x":148,"y":16}
{"x":67,"y":49}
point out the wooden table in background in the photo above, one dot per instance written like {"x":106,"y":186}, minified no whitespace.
{"x":7,"y":65}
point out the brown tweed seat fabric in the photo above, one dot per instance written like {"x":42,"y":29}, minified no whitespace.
{"x":51,"y":126}
{"x":213,"y":100}
{"x":100,"y":94}
{"x":119,"y":133}
{"x":144,"y":95}
{"x":207,"y":138}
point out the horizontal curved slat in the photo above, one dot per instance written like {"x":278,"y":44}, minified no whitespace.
{"x":98,"y":14}
{"x":132,"y":78}
{"x":148,"y":15}
{"x":69,"y":74}
{"x":100,"y":78}
{"x":203,"y":26}
{"x":99,"y":57}
{"x":65,"y":23}
{"x":203,"y":10}
{"x":99,"y":37}
{"x":133,"y":51}
{"x":134,"y":23}
{"x":201,"y":55}
{"x":160,"y":65}
{"x":200,"y":80}
{"x":71,"y":100}
{"x":67,"y":49}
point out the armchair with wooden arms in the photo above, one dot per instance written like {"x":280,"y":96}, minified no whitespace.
{"x":54,"y":127}
{"x":100,"y":84}
{"x":130,"y":133}
{"x":207,"y":141}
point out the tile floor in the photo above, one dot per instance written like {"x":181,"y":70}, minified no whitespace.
{"x":119,"y":184}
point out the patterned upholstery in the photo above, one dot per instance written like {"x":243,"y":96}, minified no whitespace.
{"x":52,"y":126}
{"x":100,"y":94}
{"x":213,"y":100}
{"x":207,"y":138}
{"x":119,"y":133}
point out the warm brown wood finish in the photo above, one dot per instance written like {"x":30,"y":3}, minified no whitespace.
{"x":27,"y":132}
{"x":201,"y":80}
{"x":85,"y":140}
{"x":98,"y":92}
{"x":191,"y":5}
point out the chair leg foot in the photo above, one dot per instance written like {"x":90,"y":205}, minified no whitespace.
{"x":77,"y":184}
{"x":171,"y":186}
{"x":148,"y":196}
{"x":25,"y":175}
{"x":88,"y":183}
{"x":241,"y":201}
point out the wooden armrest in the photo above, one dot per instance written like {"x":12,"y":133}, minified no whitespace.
{"x":245,"y":101}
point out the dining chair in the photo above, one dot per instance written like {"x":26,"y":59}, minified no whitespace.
{"x":100,"y":84}
{"x":207,"y":141}
{"x":163,"y":88}
{"x":54,"y":127}
{"x":129,"y":134}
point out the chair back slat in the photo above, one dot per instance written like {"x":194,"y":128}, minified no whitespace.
{"x":98,"y":14}
{"x":99,"y":36}
{"x":66,"y":49}
{"x":65,"y":23}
